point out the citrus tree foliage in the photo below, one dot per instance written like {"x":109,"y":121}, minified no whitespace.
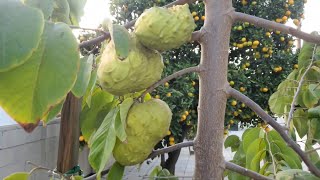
{"x":259,"y":60}
{"x":264,"y":151}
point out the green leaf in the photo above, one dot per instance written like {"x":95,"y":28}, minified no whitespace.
{"x":76,"y":177}
{"x":314,"y":128}
{"x":46,"y":6}
{"x":155,"y":172}
{"x":295,"y":174}
{"x":116,"y":171}
{"x":76,"y":10}
{"x":120,"y":124}
{"x":44,"y":80}
{"x":92,"y":117}
{"x":314,"y":112}
{"x":315,"y":89}
{"x":83,"y":77}
{"x":232,"y":141}
{"x":256,"y":147}
{"x":255,"y":161}
{"x":87,"y":97}
{"x":61,"y":11}
{"x":250,"y":137}
{"x":280,"y":103}
{"x":309,"y":99}
{"x":102,"y":143}
{"x":121,"y":39}
{"x":313,"y":155}
{"x":291,"y":162}
{"x":18,"y":176}
{"x":305,"y":55}
{"x":55,"y":110}
{"x":300,"y":120}
{"x":20,"y":33}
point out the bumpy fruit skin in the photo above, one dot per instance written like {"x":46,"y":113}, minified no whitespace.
{"x":147,"y":124}
{"x":164,"y":29}
{"x":139,"y":70}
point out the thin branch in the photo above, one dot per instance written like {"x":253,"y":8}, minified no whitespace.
{"x":106,"y":35}
{"x":246,"y":172}
{"x":196,"y":36}
{"x":168,"y":78}
{"x":90,"y":29}
{"x":280,"y":129}
{"x":170,"y":148}
{"x":299,"y":89}
{"x":260,"y":22}
{"x":37,"y":167}
{"x":94,"y":176}
{"x":312,"y":150}
{"x":272,"y":156}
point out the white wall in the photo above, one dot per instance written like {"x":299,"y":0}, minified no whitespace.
{"x":40,"y":147}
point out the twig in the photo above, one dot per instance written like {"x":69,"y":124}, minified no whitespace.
{"x":260,"y":22}
{"x":280,"y":129}
{"x":90,"y":29}
{"x":312,"y":150}
{"x":170,"y":148}
{"x":37,"y":167}
{"x":168,"y":78}
{"x":272,"y":157}
{"x":299,"y":88}
{"x":94,"y":176}
{"x":246,"y":172}
{"x":106,"y":35}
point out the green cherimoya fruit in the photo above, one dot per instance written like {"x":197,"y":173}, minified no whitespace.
{"x":164,"y":29}
{"x":147,"y":124}
{"x":139,"y":70}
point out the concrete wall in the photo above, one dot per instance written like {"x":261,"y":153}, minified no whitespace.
{"x":40,"y":147}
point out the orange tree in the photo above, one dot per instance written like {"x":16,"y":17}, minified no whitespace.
{"x":254,"y":53}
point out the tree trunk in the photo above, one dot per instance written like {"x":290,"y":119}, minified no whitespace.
{"x":213,"y":81}
{"x":69,"y":134}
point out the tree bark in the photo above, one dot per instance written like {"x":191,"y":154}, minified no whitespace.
{"x":213,"y":81}
{"x":69,"y":134}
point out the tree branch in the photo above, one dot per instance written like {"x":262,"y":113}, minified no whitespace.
{"x":299,"y":88}
{"x":266,"y":117}
{"x":260,"y":22}
{"x":196,"y":36}
{"x":106,"y":35}
{"x":246,"y":172}
{"x":170,"y":148}
{"x":94,"y":176}
{"x":168,"y":78}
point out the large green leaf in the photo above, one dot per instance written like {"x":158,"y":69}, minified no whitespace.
{"x":92,"y":117}
{"x":314,"y":112}
{"x":280,"y":103}
{"x":120,"y":124}
{"x":29,"y":91}
{"x":92,"y":82}
{"x":46,"y":6}
{"x":20,"y":32}
{"x":314,"y":128}
{"x":295,"y":174}
{"x":257,"y":147}
{"x":315,"y":89}
{"x":255,"y":161}
{"x":121,"y":39}
{"x":76,"y":10}
{"x":18,"y":176}
{"x":83,"y":77}
{"x":61,"y":11}
{"x":102,"y":143}
{"x":250,"y":137}
{"x":305,"y":55}
{"x":232,"y":141}
{"x":309,"y":98}
{"x":53,"y":112}
{"x":313,"y":154}
{"x":300,"y":121}
{"x":116,"y":171}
